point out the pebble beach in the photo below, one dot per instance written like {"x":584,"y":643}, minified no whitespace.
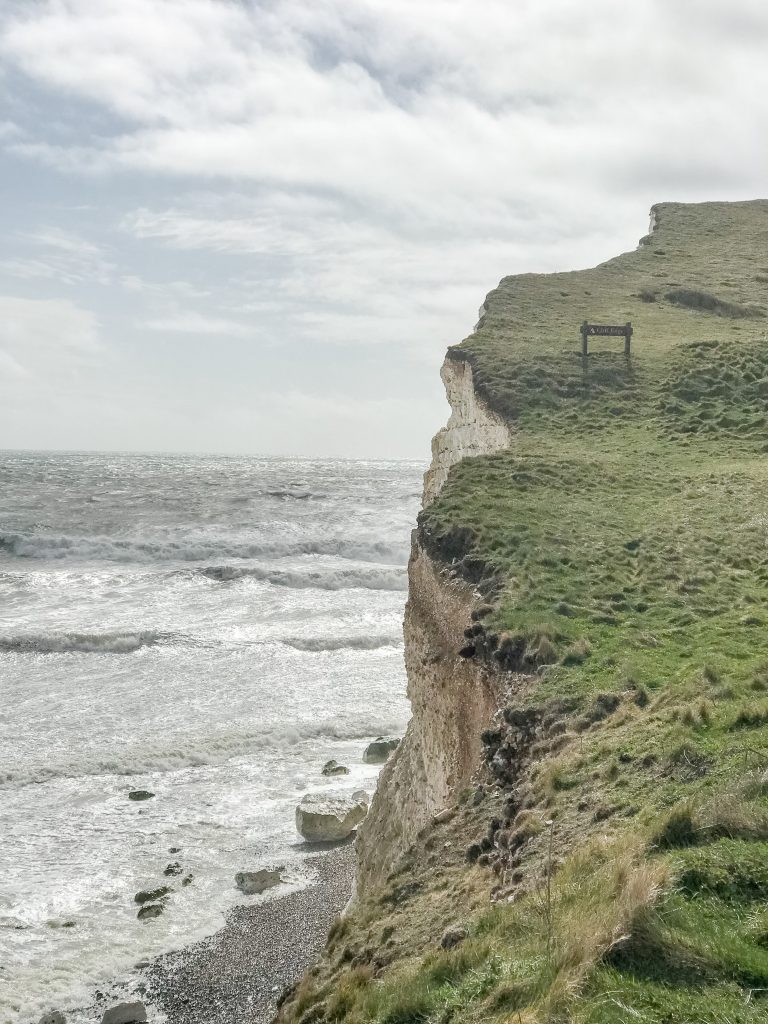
{"x":237,"y":975}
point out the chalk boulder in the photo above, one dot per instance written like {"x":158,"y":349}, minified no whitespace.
{"x":334,"y":768}
{"x":252,"y":883}
{"x":54,"y":1017}
{"x":152,"y":895}
{"x":378,"y":751}
{"x":125,"y":1013}
{"x":149,"y":911}
{"x":324,"y":820}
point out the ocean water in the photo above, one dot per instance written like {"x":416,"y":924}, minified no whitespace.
{"x":210,"y":629}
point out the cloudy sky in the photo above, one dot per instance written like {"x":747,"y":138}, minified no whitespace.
{"x":255,"y":225}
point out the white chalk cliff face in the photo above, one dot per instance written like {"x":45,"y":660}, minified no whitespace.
{"x":452,"y":698}
{"x":472,"y":428}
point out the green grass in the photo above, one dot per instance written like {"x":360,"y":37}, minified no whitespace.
{"x":626,"y":931}
{"x":521,"y":957}
{"x":627,"y":525}
{"x":701,"y":954}
{"x":525,"y":354}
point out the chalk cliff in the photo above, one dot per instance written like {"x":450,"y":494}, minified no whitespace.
{"x":472,"y":428}
{"x":452,"y":698}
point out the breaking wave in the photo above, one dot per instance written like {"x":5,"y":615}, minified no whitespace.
{"x":341,"y":643}
{"x":197,"y":751}
{"x":332,"y":579}
{"x":290,"y":495}
{"x":130,"y":641}
{"x":190,"y":549}
{"x":90,"y":643}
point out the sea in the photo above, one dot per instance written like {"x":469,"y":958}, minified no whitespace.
{"x":208,"y":629}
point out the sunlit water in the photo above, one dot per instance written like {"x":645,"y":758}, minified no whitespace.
{"x":209,"y":629}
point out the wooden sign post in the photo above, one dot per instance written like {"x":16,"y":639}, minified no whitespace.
{"x":606,"y":331}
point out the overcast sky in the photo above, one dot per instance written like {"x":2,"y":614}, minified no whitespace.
{"x":244,"y":226}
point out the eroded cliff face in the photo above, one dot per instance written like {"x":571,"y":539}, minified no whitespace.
{"x":472,"y":428}
{"x":452,"y":698}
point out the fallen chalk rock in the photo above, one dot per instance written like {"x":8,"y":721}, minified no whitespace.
{"x":54,"y":1017}
{"x":150,"y":895}
{"x":323,"y":820}
{"x":172,"y":869}
{"x":334,"y":768}
{"x":378,"y":751}
{"x":148,"y":911}
{"x":140,"y":794}
{"x":125,"y":1013}
{"x":251,"y":883}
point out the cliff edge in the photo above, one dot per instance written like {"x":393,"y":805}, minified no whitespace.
{"x":452,"y":698}
{"x":472,"y":428}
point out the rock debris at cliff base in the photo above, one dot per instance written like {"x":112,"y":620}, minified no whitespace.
{"x":238,"y":974}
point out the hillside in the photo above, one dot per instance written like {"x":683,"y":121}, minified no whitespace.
{"x":583,"y":791}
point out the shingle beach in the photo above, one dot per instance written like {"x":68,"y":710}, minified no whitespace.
{"x":237,"y":975}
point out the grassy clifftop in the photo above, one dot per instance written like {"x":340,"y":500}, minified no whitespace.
{"x":622,"y":547}
{"x":701,"y":275}
{"x":625,"y":541}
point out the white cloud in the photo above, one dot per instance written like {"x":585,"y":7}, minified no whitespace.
{"x":376,"y":97}
{"x":9,"y":130}
{"x":47,"y":326}
{"x":197,"y":323}
{"x":10,"y":367}
{"x":332,"y":272}
{"x":58,"y":255}
{"x":417,"y":105}
{"x":73,"y":245}
{"x":49,"y":351}
{"x":322,"y":173}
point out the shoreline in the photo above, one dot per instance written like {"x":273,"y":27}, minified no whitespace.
{"x":236,"y":975}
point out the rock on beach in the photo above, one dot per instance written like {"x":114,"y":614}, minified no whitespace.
{"x":237,"y":974}
{"x":149,"y":911}
{"x":379,"y":751}
{"x":252,"y":883}
{"x":151,"y":895}
{"x":329,"y":820}
{"x":125,"y":1013}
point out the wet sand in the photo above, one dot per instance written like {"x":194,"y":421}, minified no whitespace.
{"x":237,"y":975}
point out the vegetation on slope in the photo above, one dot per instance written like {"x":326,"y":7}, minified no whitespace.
{"x":622,"y":546}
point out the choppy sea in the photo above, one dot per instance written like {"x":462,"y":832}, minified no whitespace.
{"x":209,"y":629}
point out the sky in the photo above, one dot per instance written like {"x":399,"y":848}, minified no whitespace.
{"x":255,"y":227}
